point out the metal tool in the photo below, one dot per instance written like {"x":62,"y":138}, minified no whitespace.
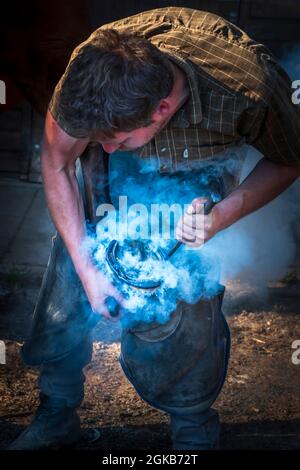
{"x":144,"y":250}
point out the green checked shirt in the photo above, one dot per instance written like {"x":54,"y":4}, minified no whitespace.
{"x":238,"y":93}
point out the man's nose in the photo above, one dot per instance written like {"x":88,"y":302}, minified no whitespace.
{"x":110,"y":148}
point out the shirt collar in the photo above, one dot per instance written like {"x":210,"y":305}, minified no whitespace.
{"x":192,"y":110}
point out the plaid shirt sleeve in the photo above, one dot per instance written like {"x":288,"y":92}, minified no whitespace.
{"x":278,"y":135}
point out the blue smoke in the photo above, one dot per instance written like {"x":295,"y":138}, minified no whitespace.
{"x":191,"y":273}
{"x":258,"y":248}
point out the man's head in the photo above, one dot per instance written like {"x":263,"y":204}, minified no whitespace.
{"x":114,"y":88}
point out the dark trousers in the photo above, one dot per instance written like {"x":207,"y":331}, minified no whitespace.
{"x":65,"y":378}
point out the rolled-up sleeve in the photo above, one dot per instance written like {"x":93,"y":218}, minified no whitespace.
{"x":278,"y":136}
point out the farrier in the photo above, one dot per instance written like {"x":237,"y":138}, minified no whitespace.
{"x":187,"y":90}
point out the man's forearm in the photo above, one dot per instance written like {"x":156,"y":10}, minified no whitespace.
{"x":266,"y":181}
{"x":66,"y":209}
{"x":58,"y":158}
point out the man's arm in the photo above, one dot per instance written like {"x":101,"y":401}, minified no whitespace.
{"x":266,"y":181}
{"x":58,"y":158}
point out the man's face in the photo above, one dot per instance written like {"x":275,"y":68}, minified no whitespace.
{"x":127,"y":141}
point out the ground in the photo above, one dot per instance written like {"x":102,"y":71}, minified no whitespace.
{"x":259,"y":405}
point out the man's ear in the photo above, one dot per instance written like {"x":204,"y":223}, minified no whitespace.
{"x":162,"y":111}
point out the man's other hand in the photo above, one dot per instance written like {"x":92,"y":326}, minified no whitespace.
{"x":97,"y":289}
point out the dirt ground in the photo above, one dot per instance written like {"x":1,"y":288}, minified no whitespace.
{"x":259,"y":405}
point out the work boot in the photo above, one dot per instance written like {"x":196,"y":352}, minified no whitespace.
{"x":195,"y":431}
{"x":54,"y":425}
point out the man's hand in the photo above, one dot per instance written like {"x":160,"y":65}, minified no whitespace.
{"x":194,"y":228}
{"x":97,"y":289}
{"x":266,"y":181}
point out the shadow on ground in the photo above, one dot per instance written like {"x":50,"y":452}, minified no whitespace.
{"x":259,"y":435}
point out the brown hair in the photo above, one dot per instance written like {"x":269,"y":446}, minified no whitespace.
{"x":114,"y":83}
